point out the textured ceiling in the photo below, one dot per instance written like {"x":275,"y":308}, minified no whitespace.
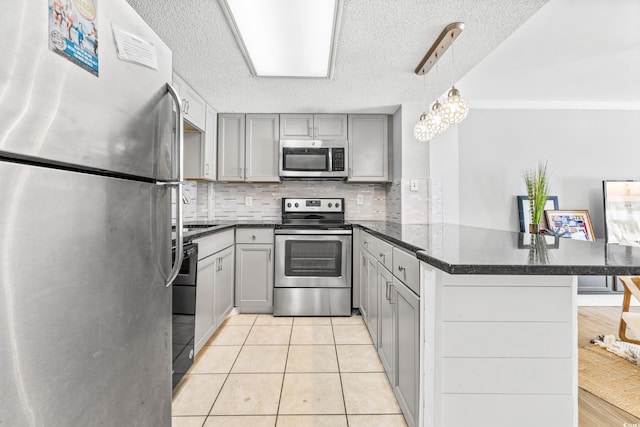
{"x":379,"y":45}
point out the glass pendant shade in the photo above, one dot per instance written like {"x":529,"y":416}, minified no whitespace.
{"x":455,"y":108}
{"x":435,"y":123}
{"x":420,"y":130}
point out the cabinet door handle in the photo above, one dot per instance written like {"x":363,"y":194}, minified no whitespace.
{"x":392,"y":300}
{"x":383,"y":256}
{"x":206,"y":168}
{"x":253,"y":237}
{"x":401,"y":268}
{"x":269,"y":254}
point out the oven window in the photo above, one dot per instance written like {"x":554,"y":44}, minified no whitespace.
{"x":313,"y":258}
{"x":305,"y":159}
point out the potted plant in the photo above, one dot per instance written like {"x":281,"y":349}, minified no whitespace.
{"x":537,"y":182}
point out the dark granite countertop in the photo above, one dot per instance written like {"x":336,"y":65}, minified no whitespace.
{"x":196,"y":230}
{"x":458,"y":249}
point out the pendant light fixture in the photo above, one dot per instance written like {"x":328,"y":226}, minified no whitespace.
{"x":454,"y":109}
{"x":435,"y":122}
{"x":421,"y":130}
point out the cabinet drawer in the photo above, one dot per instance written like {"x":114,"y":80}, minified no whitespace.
{"x":209,"y":245}
{"x":406,"y":267}
{"x":383,"y":252}
{"x":254,"y":235}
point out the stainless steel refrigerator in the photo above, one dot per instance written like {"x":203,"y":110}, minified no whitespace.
{"x":88,"y":165}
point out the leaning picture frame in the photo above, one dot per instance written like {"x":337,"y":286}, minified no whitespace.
{"x":574,"y":224}
{"x":524,"y":210}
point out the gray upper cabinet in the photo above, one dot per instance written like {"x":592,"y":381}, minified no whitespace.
{"x":261,"y":147}
{"x":193,"y":106}
{"x":368,"y":148}
{"x":313,"y":126}
{"x":209,"y":152}
{"x":330,"y":126}
{"x":200,"y":150}
{"x":231,"y":130}
{"x":296,"y":126}
{"x":248,"y":147}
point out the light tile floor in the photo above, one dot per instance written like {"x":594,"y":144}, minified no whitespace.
{"x":260,"y":370}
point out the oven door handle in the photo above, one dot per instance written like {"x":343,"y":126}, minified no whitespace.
{"x":313,"y":232}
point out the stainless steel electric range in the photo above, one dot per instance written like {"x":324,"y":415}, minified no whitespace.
{"x":313,"y":259}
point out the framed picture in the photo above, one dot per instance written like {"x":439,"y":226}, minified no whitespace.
{"x":622,"y":212}
{"x":525,"y":212}
{"x":571,"y":224}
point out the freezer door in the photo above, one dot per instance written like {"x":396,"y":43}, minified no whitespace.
{"x":85,"y":317}
{"x":56,"y":111}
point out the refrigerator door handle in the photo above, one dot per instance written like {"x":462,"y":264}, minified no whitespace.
{"x":178,"y":152}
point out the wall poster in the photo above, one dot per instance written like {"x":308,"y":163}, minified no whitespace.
{"x":73,"y":31}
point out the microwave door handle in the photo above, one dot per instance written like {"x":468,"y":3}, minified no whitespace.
{"x":177,"y":158}
{"x":330,"y":153}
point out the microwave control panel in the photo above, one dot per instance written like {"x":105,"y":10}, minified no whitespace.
{"x":337,"y":159}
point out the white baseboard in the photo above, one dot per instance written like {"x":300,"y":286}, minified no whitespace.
{"x":591,"y":300}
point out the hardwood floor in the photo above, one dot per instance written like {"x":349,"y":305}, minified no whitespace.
{"x":593,"y":411}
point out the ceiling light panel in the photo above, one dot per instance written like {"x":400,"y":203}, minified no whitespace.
{"x":285,"y":38}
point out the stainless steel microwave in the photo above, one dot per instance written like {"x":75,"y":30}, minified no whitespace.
{"x":313,"y":158}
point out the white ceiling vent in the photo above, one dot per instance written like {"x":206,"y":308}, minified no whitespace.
{"x":286,"y":38}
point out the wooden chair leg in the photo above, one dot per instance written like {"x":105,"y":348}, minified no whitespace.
{"x":626,"y":302}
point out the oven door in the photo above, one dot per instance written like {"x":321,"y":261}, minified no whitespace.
{"x":313,"y":261}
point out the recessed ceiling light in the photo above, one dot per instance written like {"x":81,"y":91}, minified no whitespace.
{"x":286,"y":38}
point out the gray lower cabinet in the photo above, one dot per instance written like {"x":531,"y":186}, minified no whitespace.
{"x":254,"y":278}
{"x":390,"y":307}
{"x":386,"y":336}
{"x":223,"y":285}
{"x":598,"y":285}
{"x":407,"y":350}
{"x":214,"y":291}
{"x":205,"y":324}
{"x":368,"y":293}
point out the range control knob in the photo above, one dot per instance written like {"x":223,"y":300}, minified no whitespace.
{"x":296,"y":205}
{"x":330,"y":205}
{"x":288,"y":205}
{"x":337,"y":205}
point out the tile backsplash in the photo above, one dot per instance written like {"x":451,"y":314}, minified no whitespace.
{"x":382,"y":202}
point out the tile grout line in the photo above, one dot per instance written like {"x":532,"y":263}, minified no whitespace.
{"x":229,"y":373}
{"x":335,"y":348}
{"x":284,"y":373}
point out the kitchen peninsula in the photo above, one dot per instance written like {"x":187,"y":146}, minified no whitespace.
{"x":497,"y":316}
{"x":498,"y":320}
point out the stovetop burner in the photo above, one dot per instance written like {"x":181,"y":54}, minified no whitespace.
{"x":316,"y":214}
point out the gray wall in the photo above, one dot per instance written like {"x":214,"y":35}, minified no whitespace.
{"x":582,"y":148}
{"x":445,"y":170}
